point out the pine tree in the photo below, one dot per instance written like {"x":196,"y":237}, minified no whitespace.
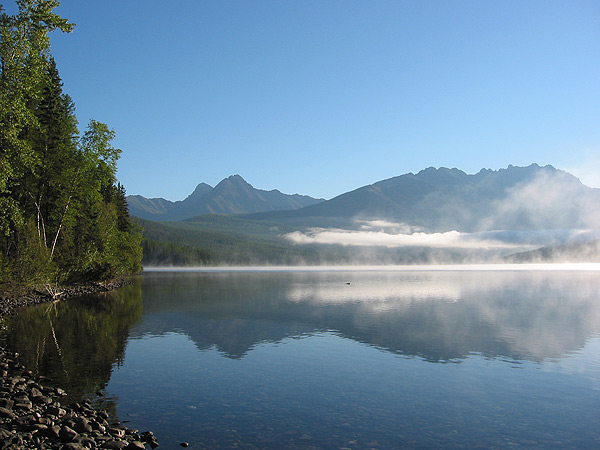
{"x":24,"y":58}
{"x":63,"y":216}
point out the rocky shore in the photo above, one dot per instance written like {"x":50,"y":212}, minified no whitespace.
{"x":16,"y":296}
{"x":31,"y":414}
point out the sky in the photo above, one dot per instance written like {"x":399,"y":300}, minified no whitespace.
{"x":323,"y":97}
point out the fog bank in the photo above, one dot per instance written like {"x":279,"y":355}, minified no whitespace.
{"x":379,"y":233}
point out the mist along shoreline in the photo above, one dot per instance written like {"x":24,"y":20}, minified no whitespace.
{"x":539,"y":266}
{"x":31,"y":415}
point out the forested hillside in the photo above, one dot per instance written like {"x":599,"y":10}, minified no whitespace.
{"x":215,"y":239}
{"x":63,"y":215}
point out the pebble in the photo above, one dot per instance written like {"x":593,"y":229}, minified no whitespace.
{"x":47,"y":425}
{"x":31,"y":415}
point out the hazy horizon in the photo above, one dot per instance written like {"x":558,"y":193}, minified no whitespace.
{"x":399,"y":267}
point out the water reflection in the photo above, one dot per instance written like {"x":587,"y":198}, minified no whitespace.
{"x":76,"y":342}
{"x":311,"y":359}
{"x":438,"y":316}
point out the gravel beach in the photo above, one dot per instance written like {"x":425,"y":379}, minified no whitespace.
{"x":31,"y":413}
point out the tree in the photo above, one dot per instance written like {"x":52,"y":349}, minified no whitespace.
{"x":24,"y":57}
{"x":63,"y":216}
{"x":51,"y":186}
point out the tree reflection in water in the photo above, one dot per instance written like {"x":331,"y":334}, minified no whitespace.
{"x":77,"y":342}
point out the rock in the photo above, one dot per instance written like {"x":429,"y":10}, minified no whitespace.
{"x":56,"y":411}
{"x":53,"y":432}
{"x":7,"y":413}
{"x":67,"y":434}
{"x":24,"y":420}
{"x":115,"y":445}
{"x":60,"y":392}
{"x":68,"y":422}
{"x":13,"y":442}
{"x":41,"y":400}
{"x":148,"y":437}
{"x":38,"y":427}
{"x":46,"y":421}
{"x":73,"y":446}
{"x":97,"y":426}
{"x":82,"y":426}
{"x":16,"y":380}
{"x":35,"y":392}
{"x":86,"y":441}
{"x":21,"y":398}
{"x":32,"y":418}
{"x":117,"y":432}
{"x":23,"y":406}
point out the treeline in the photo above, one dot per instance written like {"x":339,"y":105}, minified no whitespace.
{"x":63,"y":216}
{"x":158,"y":253}
{"x":221,"y":240}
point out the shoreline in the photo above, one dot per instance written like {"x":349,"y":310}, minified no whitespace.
{"x":543,"y":266}
{"x":31,"y":414}
{"x":17,"y":296}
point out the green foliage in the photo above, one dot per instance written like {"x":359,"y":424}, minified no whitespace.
{"x":33,"y":262}
{"x":24,"y":58}
{"x":100,"y":157}
{"x":62,"y":215}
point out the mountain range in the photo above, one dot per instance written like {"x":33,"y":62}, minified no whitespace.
{"x":434,"y":200}
{"x":233,"y":195}
{"x":442,"y":199}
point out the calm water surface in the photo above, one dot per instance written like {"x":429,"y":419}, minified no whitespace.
{"x":334,"y":360}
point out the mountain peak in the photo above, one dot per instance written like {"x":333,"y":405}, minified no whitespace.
{"x":233,"y":180}
{"x":232,"y":195}
{"x":235,"y":177}
{"x":201,"y":190}
{"x":202,"y":186}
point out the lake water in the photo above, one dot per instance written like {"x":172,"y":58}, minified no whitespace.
{"x":344,"y":359}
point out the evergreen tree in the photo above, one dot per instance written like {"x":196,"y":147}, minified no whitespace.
{"x":24,"y":56}
{"x":63,"y":216}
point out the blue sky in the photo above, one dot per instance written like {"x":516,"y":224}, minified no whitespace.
{"x":322,"y":97}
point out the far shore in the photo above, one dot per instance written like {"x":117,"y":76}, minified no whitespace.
{"x":399,"y":268}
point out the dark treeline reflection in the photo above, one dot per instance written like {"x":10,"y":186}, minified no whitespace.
{"x":76,"y":342}
{"x":441,"y":316}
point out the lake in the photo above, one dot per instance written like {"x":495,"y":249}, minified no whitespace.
{"x":389,"y":358}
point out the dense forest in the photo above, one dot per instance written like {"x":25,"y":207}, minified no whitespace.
{"x":63,"y":215}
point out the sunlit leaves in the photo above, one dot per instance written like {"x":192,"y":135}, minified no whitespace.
{"x":61,"y":215}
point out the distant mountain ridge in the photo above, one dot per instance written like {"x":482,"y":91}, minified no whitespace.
{"x":515,"y":198}
{"x":442,"y":199}
{"x":233,"y":195}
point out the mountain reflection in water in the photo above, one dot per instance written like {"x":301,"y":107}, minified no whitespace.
{"x":440,"y":316}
